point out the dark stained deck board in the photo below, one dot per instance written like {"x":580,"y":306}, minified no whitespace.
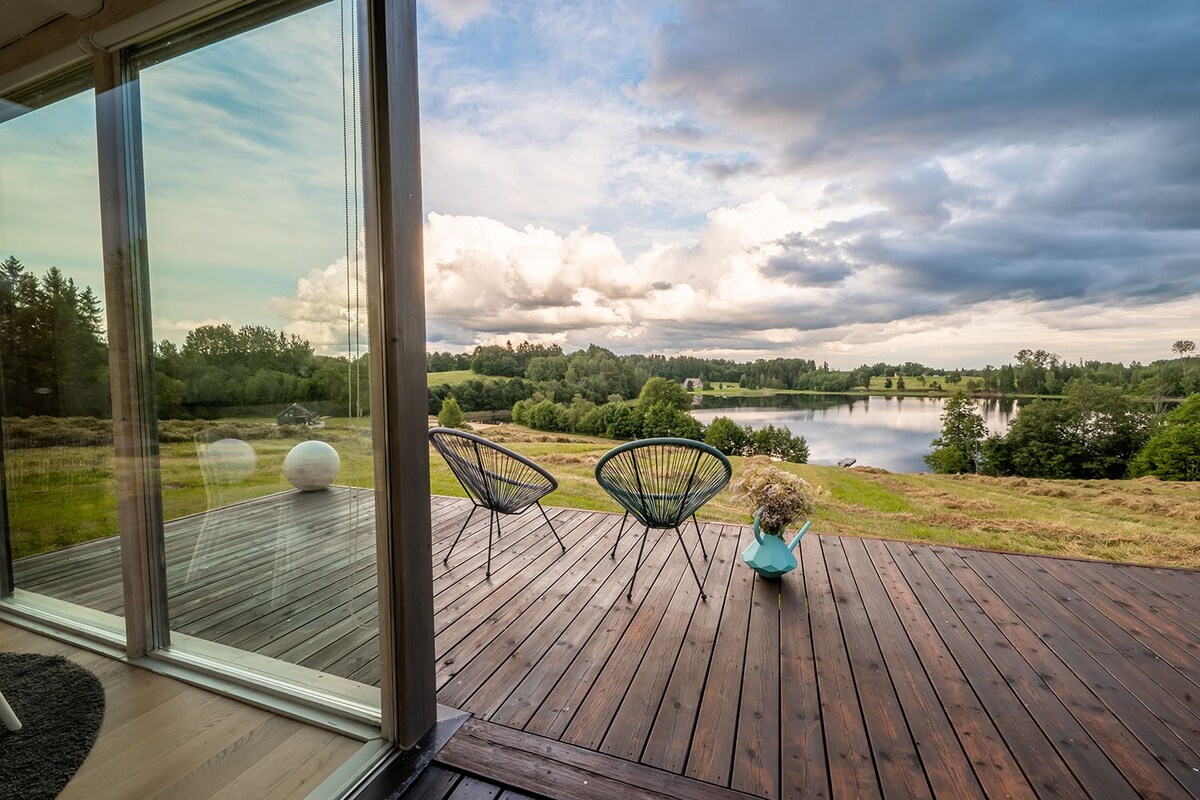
{"x":984,"y":745}
{"x":847,"y":748}
{"x":487,"y":682}
{"x":671,"y":733}
{"x":1137,"y":710}
{"x":591,"y":688}
{"x":1170,"y":642}
{"x":756,"y":752}
{"x":892,"y":746}
{"x":711,"y":756}
{"x":1045,"y":687}
{"x":555,"y":769}
{"x":804,"y":771}
{"x":647,"y":698}
{"x":943,"y":761}
{"x":559,"y":682}
{"x":1018,"y":728}
{"x":878,"y":669}
{"x":1169,"y":601}
{"x":641,"y":662}
{"x":480,"y":626}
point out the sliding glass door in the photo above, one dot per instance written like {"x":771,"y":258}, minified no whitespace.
{"x":59,"y":518}
{"x":259,"y":306}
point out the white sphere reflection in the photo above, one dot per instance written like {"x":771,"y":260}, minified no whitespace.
{"x":311,"y":466}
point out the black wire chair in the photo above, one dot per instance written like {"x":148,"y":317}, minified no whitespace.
{"x":494,"y":478}
{"x":660,"y":483}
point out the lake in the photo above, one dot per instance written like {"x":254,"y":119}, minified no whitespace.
{"x":889,"y":432}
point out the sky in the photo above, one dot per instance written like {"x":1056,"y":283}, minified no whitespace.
{"x":852,"y":182}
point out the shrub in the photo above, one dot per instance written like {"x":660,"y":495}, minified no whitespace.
{"x":779,"y":443}
{"x":451,"y":415}
{"x":727,"y":436}
{"x":1173,"y":451}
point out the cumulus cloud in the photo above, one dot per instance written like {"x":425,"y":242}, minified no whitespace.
{"x":931,"y":180}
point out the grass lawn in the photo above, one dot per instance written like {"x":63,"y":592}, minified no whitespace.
{"x":913,"y":383}
{"x":456,"y":376}
{"x":59,"y":496}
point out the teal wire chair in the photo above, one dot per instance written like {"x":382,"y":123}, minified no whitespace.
{"x":661,"y":483}
{"x":494,"y":478}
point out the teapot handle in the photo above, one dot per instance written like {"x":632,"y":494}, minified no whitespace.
{"x":757,"y":535}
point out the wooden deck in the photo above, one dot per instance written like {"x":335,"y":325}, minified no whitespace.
{"x":879,"y":669}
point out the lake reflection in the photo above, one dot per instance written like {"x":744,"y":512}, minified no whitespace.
{"x":889,"y":432}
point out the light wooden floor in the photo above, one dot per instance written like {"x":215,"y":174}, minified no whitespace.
{"x":165,"y":739}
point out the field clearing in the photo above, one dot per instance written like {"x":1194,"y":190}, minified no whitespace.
{"x":456,"y":376}
{"x":913,"y":383}
{"x":60,"y":496}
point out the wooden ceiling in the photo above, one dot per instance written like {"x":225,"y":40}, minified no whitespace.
{"x":19,"y":18}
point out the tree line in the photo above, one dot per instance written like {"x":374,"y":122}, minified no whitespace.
{"x":661,"y":410}
{"x":597,"y":372}
{"x":1094,"y":432}
{"x":54,"y":361}
{"x":53,"y":354}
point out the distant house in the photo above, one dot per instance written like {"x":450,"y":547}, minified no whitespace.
{"x":693,"y":384}
{"x":296,"y":414}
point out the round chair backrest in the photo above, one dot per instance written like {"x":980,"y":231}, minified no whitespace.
{"x":494,"y":476}
{"x":663,"y":481}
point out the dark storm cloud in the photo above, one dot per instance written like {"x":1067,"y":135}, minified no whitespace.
{"x":1077,"y":122}
{"x":1029,"y":260}
{"x":807,"y":261}
{"x":845,"y":79}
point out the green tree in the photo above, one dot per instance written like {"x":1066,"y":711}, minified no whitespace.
{"x":451,"y":415}
{"x":1183,"y":347}
{"x":662,"y":419}
{"x":958,"y":448}
{"x":661,"y":390}
{"x":619,"y":421}
{"x":779,"y":443}
{"x":1173,"y":451}
{"x":1093,"y":432}
{"x":548,"y":416}
{"x":727,"y":436}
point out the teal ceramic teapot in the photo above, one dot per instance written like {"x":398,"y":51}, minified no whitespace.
{"x":768,"y":555}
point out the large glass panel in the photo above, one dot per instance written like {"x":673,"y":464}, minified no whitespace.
{"x":60,"y":515}
{"x":260,"y":327}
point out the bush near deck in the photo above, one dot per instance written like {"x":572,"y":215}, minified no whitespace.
{"x":64,"y":495}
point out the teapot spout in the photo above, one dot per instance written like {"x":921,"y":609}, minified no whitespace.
{"x":796,"y":541}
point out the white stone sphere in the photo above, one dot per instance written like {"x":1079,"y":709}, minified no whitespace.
{"x":311,"y":466}
{"x":229,"y":460}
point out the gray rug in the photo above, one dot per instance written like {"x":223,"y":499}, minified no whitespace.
{"x":60,"y":705}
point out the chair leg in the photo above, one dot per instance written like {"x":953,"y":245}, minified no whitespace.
{"x":496,"y":518}
{"x":683,"y":547}
{"x":551,"y":524}
{"x":620,"y":530}
{"x":636,"y":564}
{"x":701,"y":538}
{"x":446,"y":560}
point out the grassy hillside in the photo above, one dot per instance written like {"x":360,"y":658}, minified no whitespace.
{"x":62,"y":495}
{"x":1144,"y":521}
{"x":456,"y":376}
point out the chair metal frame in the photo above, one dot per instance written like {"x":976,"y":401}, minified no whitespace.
{"x":495,"y":478}
{"x":661,"y":482}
